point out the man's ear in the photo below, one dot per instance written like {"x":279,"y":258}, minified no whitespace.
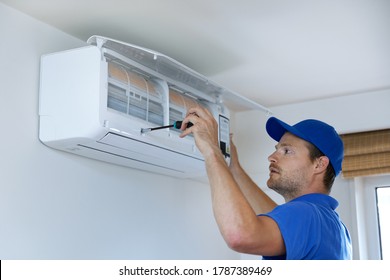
{"x":322,"y":164}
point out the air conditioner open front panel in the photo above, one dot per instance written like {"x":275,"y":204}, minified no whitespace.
{"x":176,"y":72}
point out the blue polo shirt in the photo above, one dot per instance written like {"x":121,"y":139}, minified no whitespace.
{"x":311,"y":229}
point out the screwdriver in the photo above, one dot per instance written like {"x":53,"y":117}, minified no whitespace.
{"x":176,"y":124}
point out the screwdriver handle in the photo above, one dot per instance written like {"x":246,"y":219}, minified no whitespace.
{"x":177,"y":124}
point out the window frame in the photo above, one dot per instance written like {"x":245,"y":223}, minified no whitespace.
{"x":379,"y":224}
{"x":367,"y":219}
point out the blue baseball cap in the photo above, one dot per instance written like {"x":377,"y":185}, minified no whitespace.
{"x":318,"y":133}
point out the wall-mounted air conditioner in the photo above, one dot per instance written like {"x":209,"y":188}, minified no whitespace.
{"x":94,"y":100}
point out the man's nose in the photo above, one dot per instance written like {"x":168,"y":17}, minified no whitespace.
{"x":272,"y":157}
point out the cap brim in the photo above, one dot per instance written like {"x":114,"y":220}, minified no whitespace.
{"x":277,"y":128}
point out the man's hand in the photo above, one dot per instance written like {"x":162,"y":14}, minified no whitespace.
{"x":204,"y":129}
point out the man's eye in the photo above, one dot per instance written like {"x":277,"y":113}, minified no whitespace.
{"x":287,"y":151}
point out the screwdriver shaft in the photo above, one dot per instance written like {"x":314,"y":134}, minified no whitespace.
{"x":176,"y":124}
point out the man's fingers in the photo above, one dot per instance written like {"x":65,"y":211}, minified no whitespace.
{"x":199,"y":111}
{"x":191,"y":118}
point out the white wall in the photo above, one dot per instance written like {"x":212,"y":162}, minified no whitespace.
{"x":55,"y":205}
{"x":363,"y":112}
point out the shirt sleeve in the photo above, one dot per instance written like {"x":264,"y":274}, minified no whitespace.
{"x":299,"y":228}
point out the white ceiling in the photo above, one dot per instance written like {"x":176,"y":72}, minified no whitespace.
{"x":274,"y":52}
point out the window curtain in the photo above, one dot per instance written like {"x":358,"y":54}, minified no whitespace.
{"x":366,"y":153}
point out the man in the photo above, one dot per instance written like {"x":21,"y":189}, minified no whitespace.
{"x":302,"y":169}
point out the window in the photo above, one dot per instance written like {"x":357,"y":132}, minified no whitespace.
{"x":383,"y":204}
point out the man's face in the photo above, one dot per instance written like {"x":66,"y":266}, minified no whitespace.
{"x":290,"y":167}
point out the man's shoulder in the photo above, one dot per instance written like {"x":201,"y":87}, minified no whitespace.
{"x":294,"y":207}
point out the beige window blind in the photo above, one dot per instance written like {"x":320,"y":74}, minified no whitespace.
{"x":366,"y":153}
